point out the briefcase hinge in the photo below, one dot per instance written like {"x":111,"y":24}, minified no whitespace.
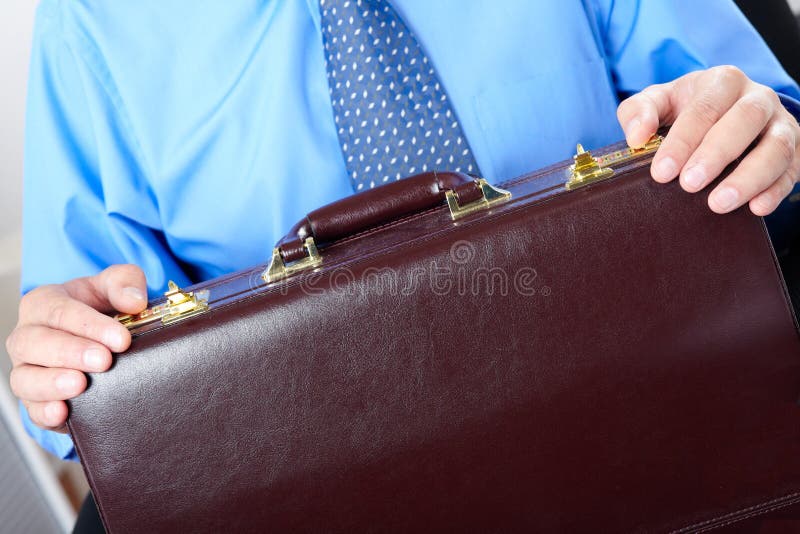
{"x":179,"y":305}
{"x":279,"y":269}
{"x":588,"y":169}
{"x":490,"y":196}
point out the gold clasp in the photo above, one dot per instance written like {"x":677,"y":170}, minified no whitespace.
{"x":179,"y":305}
{"x":278,"y":269}
{"x":490,"y":196}
{"x":586,"y":170}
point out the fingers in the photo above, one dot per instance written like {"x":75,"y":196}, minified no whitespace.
{"x":43,"y":346}
{"x":120,"y":287}
{"x":711,"y":98}
{"x":61,"y":334}
{"x":716,"y":115}
{"x":641,"y":114}
{"x":767,"y":201}
{"x":48,"y":415}
{"x":729,"y":138}
{"x":53,"y":308}
{"x":760,"y":170}
{"x":33,"y":383}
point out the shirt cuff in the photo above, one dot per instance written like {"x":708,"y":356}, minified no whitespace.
{"x":57,"y":444}
{"x":791,"y":105}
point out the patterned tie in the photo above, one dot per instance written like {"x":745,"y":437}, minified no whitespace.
{"x":392,"y":114}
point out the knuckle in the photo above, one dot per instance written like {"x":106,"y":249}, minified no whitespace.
{"x":14,"y":382}
{"x":32,"y":303}
{"x":770,"y":96}
{"x":27,"y":303}
{"x":14,"y":344}
{"x":756,"y":108}
{"x":10,"y":343}
{"x":784,"y":139}
{"x":731,"y":72}
{"x":57,"y":315}
{"x":787,"y":184}
{"x":706,"y":109}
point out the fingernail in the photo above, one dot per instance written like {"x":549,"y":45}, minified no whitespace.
{"x":94,"y":359}
{"x":67,"y":383}
{"x":133,"y":293}
{"x":695,"y":177}
{"x":725,"y":198}
{"x":665,"y":169}
{"x":112,"y":339}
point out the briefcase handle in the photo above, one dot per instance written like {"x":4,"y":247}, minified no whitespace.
{"x":298,"y":249}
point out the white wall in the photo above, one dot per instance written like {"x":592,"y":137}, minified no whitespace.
{"x":16,"y":20}
{"x":16,"y":24}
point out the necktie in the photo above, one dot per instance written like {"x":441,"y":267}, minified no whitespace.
{"x":392,"y":114}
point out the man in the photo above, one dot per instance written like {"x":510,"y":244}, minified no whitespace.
{"x":186,"y":138}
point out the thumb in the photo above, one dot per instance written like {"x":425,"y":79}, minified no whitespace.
{"x":121,"y":288}
{"x":642,"y":114}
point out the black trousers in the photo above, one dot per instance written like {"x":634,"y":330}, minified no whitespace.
{"x":88,"y":518}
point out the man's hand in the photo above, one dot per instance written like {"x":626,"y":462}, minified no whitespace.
{"x":715,"y":115}
{"x":63,"y":333}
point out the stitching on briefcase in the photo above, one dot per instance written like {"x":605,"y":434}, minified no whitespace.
{"x":741,"y":515}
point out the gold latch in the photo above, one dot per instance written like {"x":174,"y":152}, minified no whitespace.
{"x":278,"y":269}
{"x":179,"y":305}
{"x":490,"y":196}
{"x":588,"y":169}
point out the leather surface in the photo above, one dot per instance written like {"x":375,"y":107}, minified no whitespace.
{"x":615,"y":358}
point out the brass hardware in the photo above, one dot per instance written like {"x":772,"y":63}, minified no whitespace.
{"x":278,"y":269}
{"x":627,"y":154}
{"x":588,"y":169}
{"x":179,"y":305}
{"x":491,"y":197}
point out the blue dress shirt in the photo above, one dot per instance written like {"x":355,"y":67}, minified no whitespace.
{"x":187,"y":137}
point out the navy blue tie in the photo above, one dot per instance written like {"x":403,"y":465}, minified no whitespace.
{"x":392,"y":114}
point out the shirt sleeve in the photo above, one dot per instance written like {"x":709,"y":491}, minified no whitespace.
{"x":656,"y":41}
{"x":81,"y":161}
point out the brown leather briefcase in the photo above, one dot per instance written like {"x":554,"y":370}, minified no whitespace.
{"x":579,"y":350}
